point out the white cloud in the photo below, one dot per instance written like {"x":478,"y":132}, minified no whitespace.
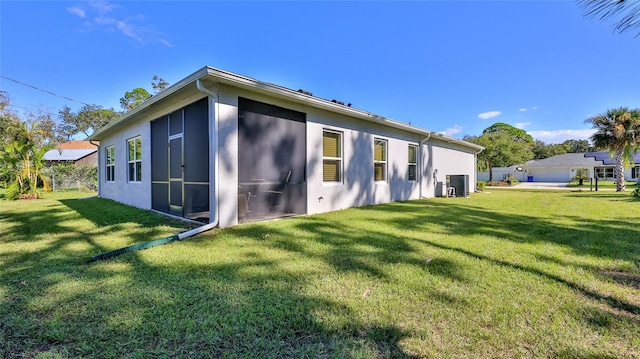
{"x":524,"y":109}
{"x":77,"y":11}
{"x":165,"y":42}
{"x":559,"y":136}
{"x":128,"y":30}
{"x":103,"y":15}
{"x":488,"y":115}
{"x":102,"y":7}
{"x":452,"y":130}
{"x":522,"y":124}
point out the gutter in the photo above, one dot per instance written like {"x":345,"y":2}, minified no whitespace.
{"x":215,"y":217}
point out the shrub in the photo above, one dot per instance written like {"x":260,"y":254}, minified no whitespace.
{"x":70,"y":176}
{"x":636,"y":192}
{"x":511,"y":180}
{"x":582,"y":174}
{"x":497,"y":184}
{"x":481,"y":185}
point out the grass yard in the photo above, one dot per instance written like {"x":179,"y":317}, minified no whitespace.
{"x":631,"y":185}
{"x":506,"y":274}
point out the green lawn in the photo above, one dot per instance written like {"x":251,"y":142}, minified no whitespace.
{"x":506,"y":274}
{"x":631,"y":185}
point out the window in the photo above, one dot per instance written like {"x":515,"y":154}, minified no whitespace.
{"x":331,"y":156}
{"x":111,"y":163}
{"x":635,"y":172}
{"x":413,"y":162}
{"x":379,"y":159}
{"x":134,"y":147}
{"x":604,"y":172}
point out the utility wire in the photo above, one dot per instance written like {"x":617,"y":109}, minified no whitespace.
{"x":39,"y":89}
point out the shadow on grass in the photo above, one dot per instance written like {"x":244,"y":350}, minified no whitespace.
{"x":131,"y":307}
{"x":614,"y":239}
{"x":243,"y":303}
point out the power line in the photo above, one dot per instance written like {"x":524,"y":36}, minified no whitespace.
{"x":46,"y":91}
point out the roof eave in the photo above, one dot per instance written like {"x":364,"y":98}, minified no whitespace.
{"x":236,"y":80}
{"x":148,"y":103}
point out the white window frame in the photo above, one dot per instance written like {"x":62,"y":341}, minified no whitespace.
{"x":134,"y":165}
{"x":383,"y":162}
{"x":339,"y":159}
{"x":413,"y":165}
{"x":635,"y":171}
{"x":601,"y":172}
{"x":110,"y":164}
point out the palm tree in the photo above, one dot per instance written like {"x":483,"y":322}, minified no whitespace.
{"x":628,"y":10}
{"x":619,"y":131}
{"x":21,"y":162}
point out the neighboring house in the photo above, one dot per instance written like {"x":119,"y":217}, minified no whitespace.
{"x":224,"y":148}
{"x":78,"y":153}
{"x":606,"y":170}
{"x":562,"y":168}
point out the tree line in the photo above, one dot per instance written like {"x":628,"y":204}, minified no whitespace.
{"x":25,"y":138}
{"x":617,"y":131}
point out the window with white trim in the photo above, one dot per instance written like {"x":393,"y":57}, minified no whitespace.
{"x":413,"y":163}
{"x":134,"y":158}
{"x":331,"y":156}
{"x":604,"y":172}
{"x":379,"y":160}
{"x":635,"y":172}
{"x":110,"y":163}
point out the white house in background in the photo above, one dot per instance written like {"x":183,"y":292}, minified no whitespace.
{"x":562,"y":168}
{"x":223,"y":148}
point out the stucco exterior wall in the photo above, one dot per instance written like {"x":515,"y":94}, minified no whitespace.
{"x":137,"y":194}
{"x":443,"y":159}
{"x":357,"y":187}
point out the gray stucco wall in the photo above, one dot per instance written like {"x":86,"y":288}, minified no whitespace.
{"x":121,"y":190}
{"x":358,"y":187}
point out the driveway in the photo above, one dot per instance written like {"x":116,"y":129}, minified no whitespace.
{"x":541,"y":185}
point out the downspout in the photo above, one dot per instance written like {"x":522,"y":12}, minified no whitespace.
{"x":99,"y":157}
{"x":216,"y":215}
{"x":421,"y":160}
{"x":213,"y":150}
{"x":475,"y":165}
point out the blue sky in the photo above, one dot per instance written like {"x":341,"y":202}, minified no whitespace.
{"x":452,"y":67}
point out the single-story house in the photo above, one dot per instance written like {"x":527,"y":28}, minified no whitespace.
{"x":632,"y":173}
{"x":78,"y":153}
{"x":223,"y":148}
{"x":562,"y":168}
